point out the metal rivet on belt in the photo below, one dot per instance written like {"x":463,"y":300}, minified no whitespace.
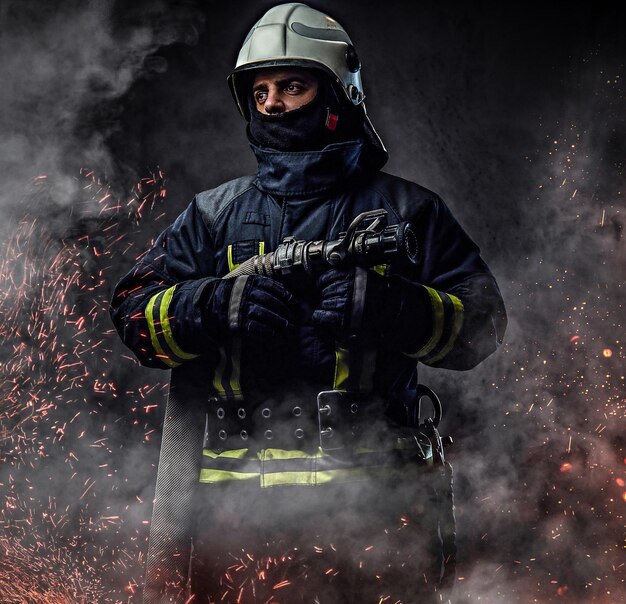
{"x":354,"y":407}
{"x":221,"y":413}
{"x":222,"y":434}
{"x":297,"y":411}
{"x":266,"y":413}
{"x":269,"y":434}
{"x":299,"y":432}
{"x":241,"y":413}
{"x":243,"y":434}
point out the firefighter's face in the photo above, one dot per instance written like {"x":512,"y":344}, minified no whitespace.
{"x":282,"y":89}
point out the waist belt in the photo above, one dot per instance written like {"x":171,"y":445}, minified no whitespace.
{"x":335,"y":420}
{"x":344,"y":437}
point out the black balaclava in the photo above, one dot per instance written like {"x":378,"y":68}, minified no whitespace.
{"x":322,"y":121}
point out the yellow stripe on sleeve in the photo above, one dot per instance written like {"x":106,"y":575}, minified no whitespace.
{"x":437,"y":308}
{"x":167,"y":330}
{"x":456,"y":328}
{"x":153,"y":336}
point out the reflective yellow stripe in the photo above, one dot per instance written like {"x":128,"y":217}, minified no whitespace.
{"x":353,"y":474}
{"x":342,"y":371}
{"x":456,"y":328}
{"x":219,"y":372}
{"x":230,"y":454}
{"x":294,"y":478}
{"x":437,"y":308}
{"x":381,"y":269}
{"x":310,"y":477}
{"x":231,"y":265}
{"x":153,"y":336}
{"x":354,"y":369}
{"x":212,"y":476}
{"x":235,"y":359}
{"x":165,"y":326}
{"x":235,"y":364}
{"x":276,"y":454}
{"x":229,"y":253}
{"x":283,"y":454}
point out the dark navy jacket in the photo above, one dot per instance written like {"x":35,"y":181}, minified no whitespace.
{"x":158,"y":307}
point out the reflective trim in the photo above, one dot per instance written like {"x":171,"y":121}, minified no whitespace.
{"x":153,"y":336}
{"x":324,"y":476}
{"x":289,"y":478}
{"x":213,"y":476}
{"x":161,"y":337}
{"x":231,"y":265}
{"x":275,"y":467}
{"x":227,"y":373}
{"x":355,"y":368}
{"x":218,"y":374}
{"x":342,"y":371}
{"x":231,"y":454}
{"x":229,"y":254}
{"x":235,"y":359}
{"x":381,"y":269}
{"x":167,"y":330}
{"x":281,"y":454}
{"x":234,"y":304}
{"x":456,"y":328}
{"x":438,"y":323}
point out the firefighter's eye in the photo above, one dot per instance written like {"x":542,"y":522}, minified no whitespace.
{"x":294,"y":88}
{"x":260,"y":96}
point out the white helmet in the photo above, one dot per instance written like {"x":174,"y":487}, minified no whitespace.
{"x":295,"y":34}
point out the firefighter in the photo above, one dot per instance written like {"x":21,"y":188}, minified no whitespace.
{"x":293,"y":465}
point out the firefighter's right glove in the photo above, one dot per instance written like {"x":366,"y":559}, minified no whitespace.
{"x":348,"y":302}
{"x":251,"y":306}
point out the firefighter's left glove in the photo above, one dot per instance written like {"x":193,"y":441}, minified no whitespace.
{"x":361,"y":303}
{"x":251,"y":306}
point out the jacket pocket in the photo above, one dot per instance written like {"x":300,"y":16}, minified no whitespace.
{"x":240,"y":251}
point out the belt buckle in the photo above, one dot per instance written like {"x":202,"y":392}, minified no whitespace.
{"x":338,"y":413}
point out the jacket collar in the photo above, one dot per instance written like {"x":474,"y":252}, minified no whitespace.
{"x":298,"y":174}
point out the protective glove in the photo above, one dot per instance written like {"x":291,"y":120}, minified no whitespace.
{"x":361,"y":303}
{"x":251,"y":306}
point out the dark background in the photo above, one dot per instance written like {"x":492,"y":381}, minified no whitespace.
{"x":113,"y":114}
